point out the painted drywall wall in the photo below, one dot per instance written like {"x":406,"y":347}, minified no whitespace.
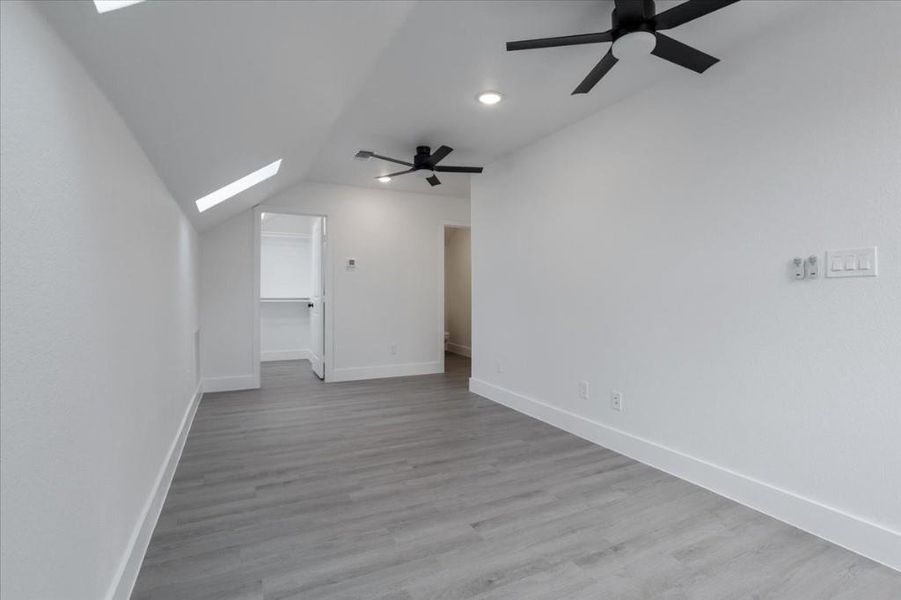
{"x":458,"y":290}
{"x":226,"y":298}
{"x":392,"y":297}
{"x":646,"y":250}
{"x":285,"y":269}
{"x":284,"y":331}
{"x":99,"y":308}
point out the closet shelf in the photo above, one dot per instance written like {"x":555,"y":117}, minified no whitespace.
{"x":284,"y":299}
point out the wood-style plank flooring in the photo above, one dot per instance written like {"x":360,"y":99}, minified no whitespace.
{"x":413,"y":488}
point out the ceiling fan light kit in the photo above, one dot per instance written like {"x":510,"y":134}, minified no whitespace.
{"x":635,"y":32}
{"x":634,"y":45}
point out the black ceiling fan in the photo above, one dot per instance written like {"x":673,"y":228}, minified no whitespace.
{"x":425,"y":162}
{"x":635,"y":31}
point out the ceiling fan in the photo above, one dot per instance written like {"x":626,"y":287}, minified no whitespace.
{"x":425,"y":163}
{"x":636,"y":32}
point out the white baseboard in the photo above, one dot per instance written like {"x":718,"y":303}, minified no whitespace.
{"x":459,"y":349}
{"x":127,"y":573}
{"x":869,"y":539}
{"x":274,"y":355}
{"x":381,"y":371}
{"x":229,"y":384}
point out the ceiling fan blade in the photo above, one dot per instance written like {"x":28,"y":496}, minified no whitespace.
{"x":396,"y":174}
{"x":688,"y":11}
{"x":685,"y":56}
{"x":597,"y":72}
{"x":566,"y":40}
{"x":433,"y":181}
{"x":438,"y":155}
{"x":634,"y":11}
{"x":458,"y":169}
{"x":389,"y":159}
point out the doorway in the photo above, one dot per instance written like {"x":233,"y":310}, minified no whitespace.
{"x":292,"y":291}
{"x":457,"y":298}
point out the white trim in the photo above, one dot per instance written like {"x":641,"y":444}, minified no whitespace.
{"x":231,"y":384}
{"x":874,"y":541}
{"x":459,"y":349}
{"x":255,"y":292}
{"x":284,"y":234}
{"x":380,"y":371}
{"x":273,"y":355}
{"x":130,"y":565}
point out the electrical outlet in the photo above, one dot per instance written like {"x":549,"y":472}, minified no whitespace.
{"x":616,"y":401}
{"x":393,"y":348}
{"x":583,"y":390}
{"x":500,"y":367}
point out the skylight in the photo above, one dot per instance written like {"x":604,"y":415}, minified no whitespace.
{"x":236,"y":187}
{"x":108,"y":5}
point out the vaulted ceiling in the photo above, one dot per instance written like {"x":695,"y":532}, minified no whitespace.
{"x":216,"y":89}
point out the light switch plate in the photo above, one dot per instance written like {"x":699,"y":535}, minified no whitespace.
{"x":855,"y":262}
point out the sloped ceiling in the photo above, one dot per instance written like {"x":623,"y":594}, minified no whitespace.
{"x":214,"y":90}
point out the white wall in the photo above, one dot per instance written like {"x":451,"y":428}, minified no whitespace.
{"x":284,"y":331}
{"x":458,"y":290}
{"x":391,"y":298}
{"x":99,"y":309}
{"x":285,"y":267}
{"x":226,"y":299}
{"x":645,"y":250}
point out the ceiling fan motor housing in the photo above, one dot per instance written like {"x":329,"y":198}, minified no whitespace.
{"x":630,"y":23}
{"x":422,"y":155}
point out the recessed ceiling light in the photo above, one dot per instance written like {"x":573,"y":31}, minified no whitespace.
{"x":108,"y":5}
{"x":384,"y":179}
{"x":490,"y":98}
{"x":236,"y":187}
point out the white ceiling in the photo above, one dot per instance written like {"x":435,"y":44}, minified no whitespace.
{"x":215,"y":90}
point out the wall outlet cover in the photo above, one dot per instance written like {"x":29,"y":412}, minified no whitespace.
{"x":583,"y":390}
{"x":616,"y":401}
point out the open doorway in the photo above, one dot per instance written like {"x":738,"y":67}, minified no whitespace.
{"x":457,"y":299}
{"x":291,"y":299}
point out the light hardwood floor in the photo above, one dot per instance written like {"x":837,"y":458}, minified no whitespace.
{"x":413,"y":488}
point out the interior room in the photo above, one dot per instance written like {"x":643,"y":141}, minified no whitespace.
{"x":457,"y":295}
{"x":408,"y":300}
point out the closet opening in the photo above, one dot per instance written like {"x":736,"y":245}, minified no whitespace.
{"x":292,"y":291}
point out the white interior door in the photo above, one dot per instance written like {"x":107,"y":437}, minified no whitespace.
{"x":317,"y":301}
